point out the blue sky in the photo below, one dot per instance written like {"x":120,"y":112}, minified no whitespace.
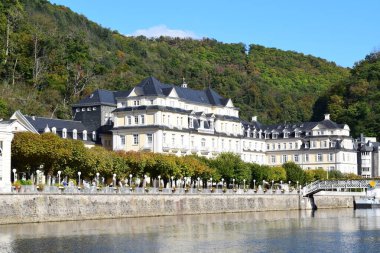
{"x":343,"y":31}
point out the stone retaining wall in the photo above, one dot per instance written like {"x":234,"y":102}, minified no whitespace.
{"x":20,"y":208}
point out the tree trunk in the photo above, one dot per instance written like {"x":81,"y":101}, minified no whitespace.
{"x":7,"y":41}
{"x":14,"y":71}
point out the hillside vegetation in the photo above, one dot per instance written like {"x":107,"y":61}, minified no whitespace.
{"x":355,"y":101}
{"x":51,"y":57}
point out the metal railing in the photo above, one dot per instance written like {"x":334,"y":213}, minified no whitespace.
{"x":332,"y":185}
{"x":31,"y":189}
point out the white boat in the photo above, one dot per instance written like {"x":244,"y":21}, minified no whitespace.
{"x":371,"y":200}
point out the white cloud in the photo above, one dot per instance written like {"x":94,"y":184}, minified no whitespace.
{"x":163,"y":30}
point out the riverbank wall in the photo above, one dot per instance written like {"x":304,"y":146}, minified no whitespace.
{"x":23,"y":208}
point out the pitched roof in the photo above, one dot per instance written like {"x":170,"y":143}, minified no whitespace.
{"x":99,"y":97}
{"x":40,"y":123}
{"x":152,"y":87}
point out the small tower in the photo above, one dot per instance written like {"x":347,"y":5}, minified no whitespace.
{"x":184,"y":84}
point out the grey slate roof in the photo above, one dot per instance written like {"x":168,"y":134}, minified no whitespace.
{"x":152,"y":87}
{"x":289,"y":127}
{"x":40,"y":123}
{"x":101,"y":97}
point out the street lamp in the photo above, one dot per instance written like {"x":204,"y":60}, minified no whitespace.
{"x":172,"y":181}
{"x":114,"y":180}
{"x":59,"y":178}
{"x":222,"y":183}
{"x":297,"y":185}
{"x":211,"y":182}
{"x":159,"y":181}
{"x":233,"y":183}
{"x":79,"y":173}
{"x":244,"y":184}
{"x":272,"y":184}
{"x":130,"y":180}
{"x":14,"y":175}
{"x":254,"y":184}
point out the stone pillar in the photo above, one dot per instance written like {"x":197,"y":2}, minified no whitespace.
{"x":6,"y":137}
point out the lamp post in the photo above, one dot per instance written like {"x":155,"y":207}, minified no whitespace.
{"x":172,"y":181}
{"x":14,"y":175}
{"x":97,"y":178}
{"x":211,"y":182}
{"x":297,"y":185}
{"x":59,"y":178}
{"x":130,"y":180}
{"x":79,"y":173}
{"x":198,"y":182}
{"x":254,"y":184}
{"x":233,"y":183}
{"x":272,"y":184}
{"x":244,"y":184}
{"x":222,"y":183}
{"x":114,"y":180}
{"x":159,"y":181}
{"x":145,"y":184}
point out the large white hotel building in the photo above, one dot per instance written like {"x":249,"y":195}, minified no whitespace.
{"x":178,"y":120}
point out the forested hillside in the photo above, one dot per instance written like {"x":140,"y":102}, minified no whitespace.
{"x":356,"y":100}
{"x":51,"y":57}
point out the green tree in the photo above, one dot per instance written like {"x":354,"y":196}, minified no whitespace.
{"x":294,"y":173}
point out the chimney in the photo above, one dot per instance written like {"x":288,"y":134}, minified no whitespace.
{"x":254,"y":118}
{"x":33,"y":117}
{"x":327,"y":116}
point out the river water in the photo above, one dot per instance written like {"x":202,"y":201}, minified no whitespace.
{"x":339,"y":230}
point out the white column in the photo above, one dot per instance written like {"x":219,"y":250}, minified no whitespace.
{"x":115,"y":141}
{"x":5,"y":161}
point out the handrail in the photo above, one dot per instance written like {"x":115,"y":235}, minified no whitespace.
{"x":319,"y":185}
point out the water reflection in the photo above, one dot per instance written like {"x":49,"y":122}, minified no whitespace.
{"x":343,"y":230}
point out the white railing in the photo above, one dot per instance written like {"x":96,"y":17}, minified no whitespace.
{"x":332,"y":185}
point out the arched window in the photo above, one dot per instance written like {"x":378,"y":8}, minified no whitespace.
{"x":74,"y":134}
{"x":64,"y":133}
{"x":84,"y":135}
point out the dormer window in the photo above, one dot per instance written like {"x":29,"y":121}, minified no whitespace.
{"x":297,"y":134}
{"x":266,"y":136}
{"x":77,"y":110}
{"x":74,"y":134}
{"x":84,"y":135}
{"x":274,"y":135}
{"x":93,"y":135}
{"x":54,"y":130}
{"x":286,"y":135}
{"x":83,"y":109}
{"x":94,"y":108}
{"x":64,"y":133}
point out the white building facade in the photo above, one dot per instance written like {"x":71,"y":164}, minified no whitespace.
{"x":178,"y":120}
